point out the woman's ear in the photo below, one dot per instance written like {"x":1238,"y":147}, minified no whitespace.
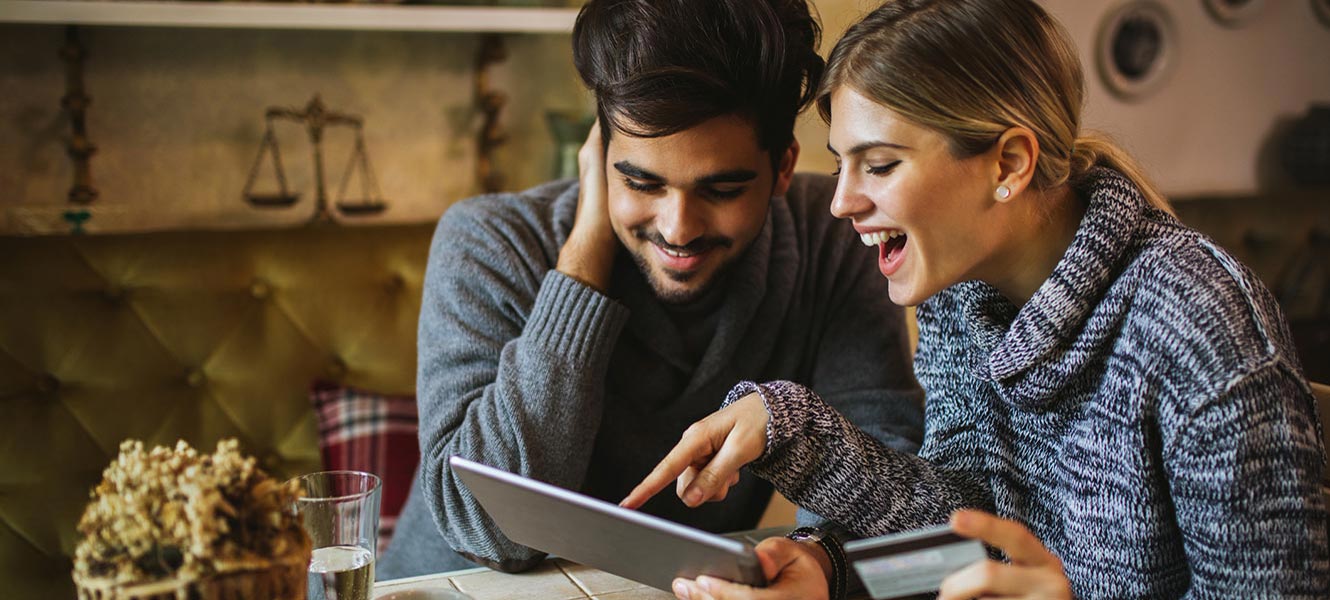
{"x":1017,"y":154}
{"x":785,"y":171}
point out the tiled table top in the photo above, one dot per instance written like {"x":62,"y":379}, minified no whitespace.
{"x":556,"y":579}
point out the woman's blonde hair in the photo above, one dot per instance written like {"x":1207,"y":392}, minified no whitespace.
{"x":970,"y":70}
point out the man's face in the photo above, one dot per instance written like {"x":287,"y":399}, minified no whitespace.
{"x":687,"y":205}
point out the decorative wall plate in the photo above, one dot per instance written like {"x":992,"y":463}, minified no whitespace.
{"x":1137,"y":48}
{"x":1234,"y":13}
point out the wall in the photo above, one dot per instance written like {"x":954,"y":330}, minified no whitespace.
{"x":177,"y":115}
{"x":1208,"y":129}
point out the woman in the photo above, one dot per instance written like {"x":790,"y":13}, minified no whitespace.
{"x":1114,"y":399}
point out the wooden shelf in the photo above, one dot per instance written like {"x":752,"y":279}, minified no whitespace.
{"x":260,"y":15}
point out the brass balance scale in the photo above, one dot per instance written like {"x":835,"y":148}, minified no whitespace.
{"x":316,"y":116}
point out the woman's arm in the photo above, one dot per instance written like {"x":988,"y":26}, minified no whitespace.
{"x":817,"y":459}
{"x":1244,"y":475}
{"x":822,"y":462}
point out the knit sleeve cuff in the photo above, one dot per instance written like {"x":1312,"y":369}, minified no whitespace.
{"x":572,"y":320}
{"x":786,"y":403}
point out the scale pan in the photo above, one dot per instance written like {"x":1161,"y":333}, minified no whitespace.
{"x":272,"y":199}
{"x":361,"y":208}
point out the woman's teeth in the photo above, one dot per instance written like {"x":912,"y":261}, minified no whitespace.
{"x":879,"y":237}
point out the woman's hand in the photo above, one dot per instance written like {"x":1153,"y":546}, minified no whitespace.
{"x":588,"y":255}
{"x":793,"y":569}
{"x":1033,"y":573}
{"x":706,"y":461}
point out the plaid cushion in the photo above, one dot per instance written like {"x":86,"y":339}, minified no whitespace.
{"x":371,"y":432}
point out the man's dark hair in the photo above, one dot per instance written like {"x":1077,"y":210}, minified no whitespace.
{"x":658,"y":67}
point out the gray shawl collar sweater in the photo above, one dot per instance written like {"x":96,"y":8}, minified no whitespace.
{"x":741,"y":301}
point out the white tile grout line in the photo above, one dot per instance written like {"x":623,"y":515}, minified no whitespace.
{"x":434,"y":576}
{"x":576,"y":583}
{"x":404,"y":583}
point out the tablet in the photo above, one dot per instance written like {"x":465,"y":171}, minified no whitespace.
{"x":627,"y":543}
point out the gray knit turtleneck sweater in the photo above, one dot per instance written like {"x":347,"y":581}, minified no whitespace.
{"x":1144,"y":414}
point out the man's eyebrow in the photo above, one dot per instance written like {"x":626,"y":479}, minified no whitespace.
{"x":862,"y":146}
{"x":636,"y":172}
{"x":732,"y":176}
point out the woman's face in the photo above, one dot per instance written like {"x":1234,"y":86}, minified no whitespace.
{"x":931,"y":216}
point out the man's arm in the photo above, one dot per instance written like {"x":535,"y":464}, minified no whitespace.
{"x":512,"y":362}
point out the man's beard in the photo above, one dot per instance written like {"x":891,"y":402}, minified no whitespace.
{"x":665,"y":293}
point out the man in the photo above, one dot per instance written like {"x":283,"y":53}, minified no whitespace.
{"x":571,"y":333}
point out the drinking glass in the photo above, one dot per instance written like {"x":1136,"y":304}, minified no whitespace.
{"x":340,"y":511}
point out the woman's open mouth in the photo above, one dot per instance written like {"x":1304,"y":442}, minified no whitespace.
{"x":891,"y":246}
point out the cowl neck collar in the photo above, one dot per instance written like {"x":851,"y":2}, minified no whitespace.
{"x":1033,"y":352}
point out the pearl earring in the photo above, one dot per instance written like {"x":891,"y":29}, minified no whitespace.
{"x":1003,"y":192}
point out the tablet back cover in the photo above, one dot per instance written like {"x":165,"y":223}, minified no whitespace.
{"x":598,"y":534}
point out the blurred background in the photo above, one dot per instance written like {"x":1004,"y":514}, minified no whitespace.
{"x":1204,"y":91}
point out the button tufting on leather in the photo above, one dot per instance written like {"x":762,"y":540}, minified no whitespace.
{"x":48,"y":384}
{"x":251,"y":359}
{"x":336,"y":368}
{"x":194,"y":378}
{"x":114,"y":295}
{"x":396,"y":283}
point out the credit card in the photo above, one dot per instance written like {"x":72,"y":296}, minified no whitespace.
{"x":913,"y":562}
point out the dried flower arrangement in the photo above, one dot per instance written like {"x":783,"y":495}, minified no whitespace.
{"x":178,"y":516}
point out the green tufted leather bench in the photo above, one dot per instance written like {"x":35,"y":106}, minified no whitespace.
{"x":182,"y":335}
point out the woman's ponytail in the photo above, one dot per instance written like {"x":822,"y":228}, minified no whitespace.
{"x":1093,"y":149}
